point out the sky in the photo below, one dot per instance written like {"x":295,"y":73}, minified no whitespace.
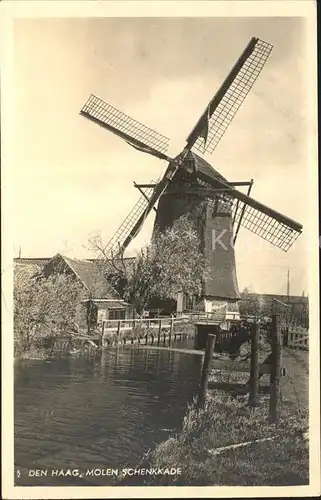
{"x":73,"y":179}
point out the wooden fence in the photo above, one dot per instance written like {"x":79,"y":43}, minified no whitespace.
{"x":272,"y":365}
{"x":298,"y":339}
{"x":150,"y":329}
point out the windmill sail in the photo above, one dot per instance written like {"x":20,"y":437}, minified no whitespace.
{"x":135,"y":133}
{"x":268,"y":227}
{"x":117,"y":241}
{"x":221,"y":110}
{"x":276,"y":228}
{"x":133,"y":223}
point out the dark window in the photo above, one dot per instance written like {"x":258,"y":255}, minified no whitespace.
{"x":189,"y":302}
{"x":116,"y":314}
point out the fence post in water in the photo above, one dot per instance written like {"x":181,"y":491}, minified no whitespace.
{"x":101,"y":344}
{"x":206,"y":368}
{"x":254,"y":377}
{"x":171,"y":328}
{"x":118,"y":332}
{"x":276,"y":371}
{"x":146,"y":338}
{"x":159,"y":331}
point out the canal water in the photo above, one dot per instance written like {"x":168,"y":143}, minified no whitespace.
{"x":98,"y":412}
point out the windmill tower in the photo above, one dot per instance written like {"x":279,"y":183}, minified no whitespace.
{"x":190,"y":185}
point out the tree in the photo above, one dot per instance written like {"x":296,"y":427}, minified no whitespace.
{"x":253,"y":304}
{"x":43,"y":307}
{"x":172,"y":263}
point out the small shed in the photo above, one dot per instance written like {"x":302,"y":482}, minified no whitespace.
{"x":100,"y":301}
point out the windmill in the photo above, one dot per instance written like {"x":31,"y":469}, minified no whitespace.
{"x":190,"y":183}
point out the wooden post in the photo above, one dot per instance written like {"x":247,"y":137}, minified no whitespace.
{"x":146,"y":337}
{"x":171,"y":328}
{"x":164,"y":338}
{"x":206,"y":368}
{"x":276,"y":371}
{"x":118,"y":332}
{"x":254,"y":377}
{"x":102,"y":334}
{"x":159,"y":331}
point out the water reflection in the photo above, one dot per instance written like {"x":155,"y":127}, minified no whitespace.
{"x":99,"y":411}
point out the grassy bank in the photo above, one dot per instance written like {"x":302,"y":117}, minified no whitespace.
{"x":226,"y":421}
{"x":54,"y":346}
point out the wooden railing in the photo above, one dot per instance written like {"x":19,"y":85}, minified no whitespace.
{"x":114,"y":325}
{"x":216,"y":316}
{"x":298,"y":338}
{"x":152,"y":329}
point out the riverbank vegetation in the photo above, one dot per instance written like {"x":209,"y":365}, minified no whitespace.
{"x":202,"y":450}
{"x":44,"y":309}
{"x":266,"y":454}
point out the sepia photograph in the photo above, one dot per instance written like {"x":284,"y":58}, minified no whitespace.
{"x":160,"y":189}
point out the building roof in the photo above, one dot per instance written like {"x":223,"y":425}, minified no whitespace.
{"x":87,"y":272}
{"x":36,"y":261}
{"x":292,"y":299}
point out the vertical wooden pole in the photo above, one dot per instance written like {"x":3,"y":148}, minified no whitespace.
{"x":101,"y":344}
{"x":118,"y":331}
{"x":159,"y":331}
{"x":276,"y":370}
{"x":206,"y":368}
{"x":254,"y":377}
{"x":171,"y":328}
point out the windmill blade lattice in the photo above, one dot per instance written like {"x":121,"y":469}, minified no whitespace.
{"x":234,"y":97}
{"x":263,"y":225}
{"x":118,"y":239}
{"x":97,"y":109}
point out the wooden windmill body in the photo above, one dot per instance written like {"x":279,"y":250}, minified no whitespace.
{"x":192,"y":186}
{"x":212,"y":217}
